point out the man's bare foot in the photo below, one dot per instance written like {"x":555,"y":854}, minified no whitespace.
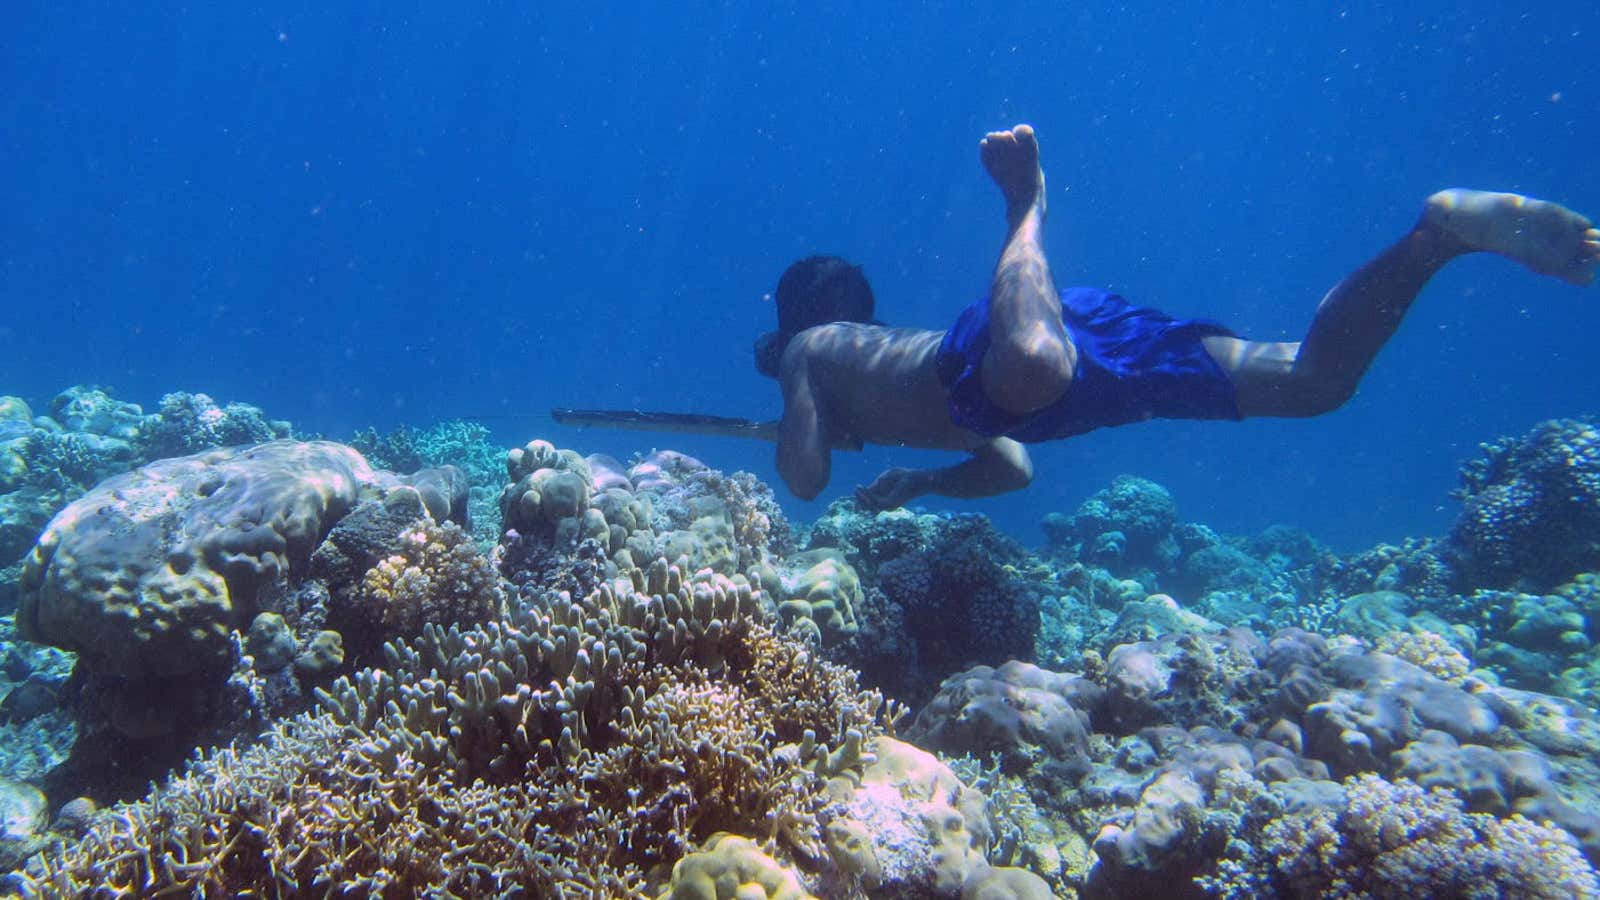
{"x":1012,"y":158}
{"x":1546,"y":237}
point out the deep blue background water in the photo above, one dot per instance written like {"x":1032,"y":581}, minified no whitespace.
{"x":369,"y":213}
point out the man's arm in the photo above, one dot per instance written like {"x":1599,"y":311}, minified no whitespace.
{"x":998,"y":467}
{"x":803,"y":457}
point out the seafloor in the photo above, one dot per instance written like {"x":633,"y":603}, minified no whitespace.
{"x":235,"y":661}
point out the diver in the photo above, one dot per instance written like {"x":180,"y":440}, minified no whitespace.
{"x":1029,"y":363}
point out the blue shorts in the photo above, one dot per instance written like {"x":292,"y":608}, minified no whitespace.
{"x":1133,"y":364}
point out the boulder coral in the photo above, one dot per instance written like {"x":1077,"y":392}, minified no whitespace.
{"x":148,"y":576}
{"x":145,"y":576}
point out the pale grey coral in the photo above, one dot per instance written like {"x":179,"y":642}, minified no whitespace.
{"x":1011,"y":712}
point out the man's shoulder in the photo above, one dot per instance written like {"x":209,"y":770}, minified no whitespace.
{"x":846,"y":347}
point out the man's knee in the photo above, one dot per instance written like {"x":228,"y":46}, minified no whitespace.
{"x":1020,"y":476}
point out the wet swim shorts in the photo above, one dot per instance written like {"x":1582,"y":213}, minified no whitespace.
{"x":1133,"y":364}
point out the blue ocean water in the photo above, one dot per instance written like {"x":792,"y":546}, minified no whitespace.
{"x":370,"y":214}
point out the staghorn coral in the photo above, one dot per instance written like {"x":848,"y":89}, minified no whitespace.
{"x":437,"y":577}
{"x":567,"y":750}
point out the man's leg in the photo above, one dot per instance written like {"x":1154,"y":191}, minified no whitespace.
{"x":1361,"y":313}
{"x":1030,"y":359}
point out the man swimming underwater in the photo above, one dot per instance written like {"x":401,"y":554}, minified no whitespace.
{"x":1029,"y":363}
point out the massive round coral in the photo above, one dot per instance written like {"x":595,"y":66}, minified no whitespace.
{"x":145,"y":575}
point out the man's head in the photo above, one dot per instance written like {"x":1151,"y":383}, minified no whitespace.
{"x":814,"y":291}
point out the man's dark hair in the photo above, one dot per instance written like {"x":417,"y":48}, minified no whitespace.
{"x":814,"y":291}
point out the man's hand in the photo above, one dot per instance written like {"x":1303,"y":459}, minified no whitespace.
{"x":895,"y":487}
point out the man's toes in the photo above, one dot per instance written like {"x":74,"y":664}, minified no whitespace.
{"x":998,"y":144}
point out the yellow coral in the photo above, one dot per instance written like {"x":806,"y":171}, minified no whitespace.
{"x":730,"y":867}
{"x":1428,"y":651}
{"x":824,"y":589}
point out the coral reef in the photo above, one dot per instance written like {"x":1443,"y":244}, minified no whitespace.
{"x":1146,"y":749}
{"x":461,"y":444}
{"x":1006,"y":711}
{"x":911,"y":828}
{"x":437,"y":577}
{"x":145,"y":576}
{"x":653,"y":687}
{"x":964,"y":602}
{"x":47,"y":461}
{"x":1126,"y":528}
{"x":730,"y":867}
{"x":153,"y":578}
{"x":23,"y":814}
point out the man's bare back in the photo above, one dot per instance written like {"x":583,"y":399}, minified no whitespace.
{"x":846,"y":383}
{"x":879,"y":385}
